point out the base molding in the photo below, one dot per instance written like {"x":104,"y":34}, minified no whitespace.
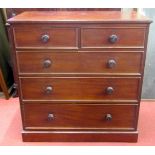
{"x":79,"y":136}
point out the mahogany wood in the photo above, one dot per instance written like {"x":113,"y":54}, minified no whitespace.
{"x":79,"y":62}
{"x":11,"y":12}
{"x":79,"y":117}
{"x":31,"y":36}
{"x":100,"y":37}
{"x":79,"y":136}
{"x":79,"y":74}
{"x":79,"y":88}
{"x":78,"y":16}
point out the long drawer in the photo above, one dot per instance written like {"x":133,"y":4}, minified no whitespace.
{"x":43,"y":36}
{"x":112,"y":37}
{"x":81,"y":116}
{"x":79,"y":62}
{"x":79,"y":88}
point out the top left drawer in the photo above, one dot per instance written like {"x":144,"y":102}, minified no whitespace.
{"x":45,"y":36}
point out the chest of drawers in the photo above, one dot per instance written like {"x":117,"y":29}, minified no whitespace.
{"x":79,"y":74}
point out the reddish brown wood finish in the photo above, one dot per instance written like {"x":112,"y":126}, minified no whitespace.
{"x":79,"y":117}
{"x":79,"y":136}
{"x":99,"y":37}
{"x":78,"y":16}
{"x":11,"y":12}
{"x":30,"y":36}
{"x":78,"y":88}
{"x":79,"y":62}
{"x":72,"y":87}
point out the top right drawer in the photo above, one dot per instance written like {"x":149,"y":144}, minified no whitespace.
{"x":121,"y":37}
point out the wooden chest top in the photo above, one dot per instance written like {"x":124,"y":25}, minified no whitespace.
{"x":79,"y":16}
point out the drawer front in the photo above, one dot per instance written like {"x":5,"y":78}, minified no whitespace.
{"x":112,"y":37}
{"x":45,"y":37}
{"x":81,"y":88}
{"x":82,"y":116}
{"x":79,"y":62}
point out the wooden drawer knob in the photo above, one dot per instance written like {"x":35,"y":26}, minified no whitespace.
{"x":108,"y":117}
{"x":113,"y":38}
{"x":45,"y":38}
{"x":48,"y":89}
{"x":50,"y":117}
{"x":47,"y":63}
{"x":111,"y":63}
{"x":109,"y":90}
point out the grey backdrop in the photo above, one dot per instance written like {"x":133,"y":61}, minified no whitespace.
{"x":148,"y":91}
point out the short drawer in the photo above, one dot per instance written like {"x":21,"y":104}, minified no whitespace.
{"x":79,"y":62}
{"x":79,"y":117}
{"x":79,"y":88}
{"x":112,"y":37}
{"x":41,"y":36}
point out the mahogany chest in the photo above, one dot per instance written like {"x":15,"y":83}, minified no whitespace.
{"x":79,"y":74}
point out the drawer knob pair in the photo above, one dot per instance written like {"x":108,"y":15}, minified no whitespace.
{"x":111,"y":63}
{"x":113,"y":38}
{"x":108,"y":117}
{"x":109,"y":90}
{"x":47,"y":63}
{"x":45,"y":38}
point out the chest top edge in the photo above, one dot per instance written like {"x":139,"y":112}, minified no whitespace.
{"x":78,"y":17}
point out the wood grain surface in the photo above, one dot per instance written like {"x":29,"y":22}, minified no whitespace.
{"x":78,"y":16}
{"x":79,"y":117}
{"x":79,"y":88}
{"x":76,"y":62}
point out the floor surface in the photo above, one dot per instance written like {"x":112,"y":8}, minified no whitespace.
{"x":10,"y":127}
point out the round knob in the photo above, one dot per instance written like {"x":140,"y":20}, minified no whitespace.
{"x":109,"y":90}
{"x":108,"y":117}
{"x":45,"y":38}
{"x":48,"y":89}
{"x":113,"y":38}
{"x":111,"y":63}
{"x":50,"y":117}
{"x":47,"y":63}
